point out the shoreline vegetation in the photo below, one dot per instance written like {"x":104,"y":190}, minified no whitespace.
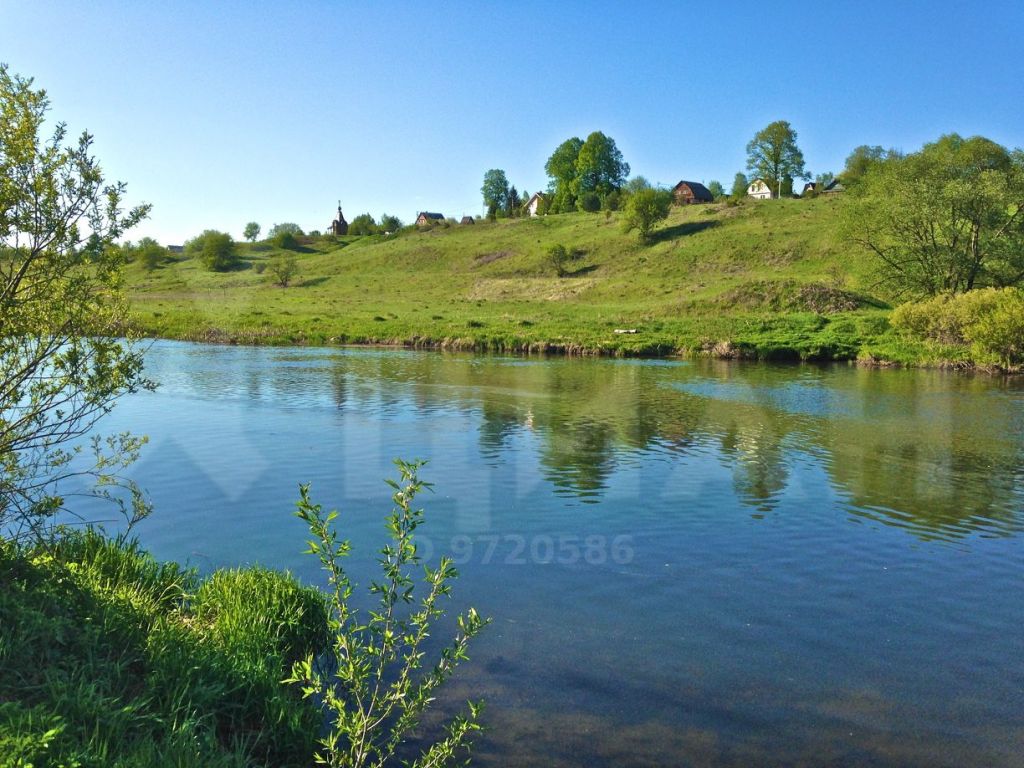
{"x":771,"y":280}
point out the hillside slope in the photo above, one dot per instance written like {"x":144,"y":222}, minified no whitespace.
{"x":769,"y":279}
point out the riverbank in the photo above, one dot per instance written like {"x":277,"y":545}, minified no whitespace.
{"x":768,"y":281}
{"x":108,"y":657}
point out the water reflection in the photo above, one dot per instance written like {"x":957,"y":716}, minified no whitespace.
{"x":936,"y":453}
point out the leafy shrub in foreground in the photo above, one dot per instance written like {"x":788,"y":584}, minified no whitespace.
{"x":990,"y":321}
{"x":378,"y":692}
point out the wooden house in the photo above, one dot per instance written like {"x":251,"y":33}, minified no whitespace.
{"x":760,"y":189}
{"x":426,"y":218}
{"x":689,"y":192}
{"x":468,"y":220}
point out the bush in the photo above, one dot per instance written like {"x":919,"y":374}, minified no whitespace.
{"x":286,"y":240}
{"x":287,"y":226}
{"x":385,"y":681}
{"x":612,"y":201}
{"x":557,"y":256}
{"x":283,"y":267}
{"x":216,"y":250}
{"x":990,"y":321}
{"x":590,"y":202}
{"x":646,"y":208}
{"x":363,"y":224}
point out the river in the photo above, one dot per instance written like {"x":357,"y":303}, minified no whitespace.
{"x":686,"y":563}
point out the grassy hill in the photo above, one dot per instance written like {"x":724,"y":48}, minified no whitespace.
{"x":770,"y":279}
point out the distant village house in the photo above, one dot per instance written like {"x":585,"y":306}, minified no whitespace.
{"x":468,"y":220}
{"x":689,"y":192}
{"x":339,"y":226}
{"x":533,"y":204}
{"x":426,"y":218}
{"x":759,"y":189}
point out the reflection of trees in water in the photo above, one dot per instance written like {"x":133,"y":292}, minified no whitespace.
{"x":934,"y":452}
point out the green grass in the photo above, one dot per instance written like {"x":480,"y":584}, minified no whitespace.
{"x":767,"y":280}
{"x":108,"y":658}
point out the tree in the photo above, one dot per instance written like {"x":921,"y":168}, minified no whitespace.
{"x":561,"y":170}
{"x":390,"y":223}
{"x":283,"y":267}
{"x":495,"y":190}
{"x":287,"y":226}
{"x":646,"y":208}
{"x":599,"y":166}
{"x":740,"y":184}
{"x":944,"y":220}
{"x":773,"y":155}
{"x":150,"y":253}
{"x":215,"y":250}
{"x":557,"y":256}
{"x":589,"y":202}
{"x":64,"y":355}
{"x":513,"y":202}
{"x":636,"y":184}
{"x":716,"y":189}
{"x":363,"y":224}
{"x":861,"y":159}
{"x":251,"y":231}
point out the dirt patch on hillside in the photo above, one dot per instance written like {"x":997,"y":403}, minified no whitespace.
{"x":530,"y":289}
{"x":489,"y":258}
{"x":792,"y":296}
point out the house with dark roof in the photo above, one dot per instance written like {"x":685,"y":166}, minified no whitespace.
{"x":468,"y":220}
{"x":426,"y":218}
{"x":688,"y":192}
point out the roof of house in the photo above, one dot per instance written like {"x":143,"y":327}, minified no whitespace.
{"x":698,"y":189}
{"x":835,"y":186}
{"x":468,"y":220}
{"x":429,"y":215}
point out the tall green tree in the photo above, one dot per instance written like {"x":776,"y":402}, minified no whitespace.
{"x":774,"y":156}
{"x":287,"y":226}
{"x":561,"y":171}
{"x":150,"y":253}
{"x":251,"y":231}
{"x":363,"y":224}
{"x":64,"y":358}
{"x":861,"y":159}
{"x":740,"y":184}
{"x":943,"y":220}
{"x":599,"y":166}
{"x":495,"y":190}
{"x":716,"y":189}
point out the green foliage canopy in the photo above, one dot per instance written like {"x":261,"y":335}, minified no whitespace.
{"x":561,"y":171}
{"x":251,"y":231}
{"x":495,"y":190}
{"x":740,"y":184}
{"x":646,"y":208}
{"x":599,"y":166}
{"x":64,"y":360}
{"x":774,"y":156}
{"x":943,"y":220}
{"x":282,"y":267}
{"x":363,"y":224}
{"x":215,"y":250}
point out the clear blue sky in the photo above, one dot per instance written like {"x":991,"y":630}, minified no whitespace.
{"x":219,"y":113}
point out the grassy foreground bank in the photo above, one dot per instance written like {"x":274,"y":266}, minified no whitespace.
{"x":108,"y":658}
{"x":763,"y":280}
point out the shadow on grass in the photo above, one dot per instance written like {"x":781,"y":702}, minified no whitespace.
{"x":313,"y":281}
{"x":681,"y":230}
{"x":581,"y":271}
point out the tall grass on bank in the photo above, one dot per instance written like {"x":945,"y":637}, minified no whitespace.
{"x":108,"y":658}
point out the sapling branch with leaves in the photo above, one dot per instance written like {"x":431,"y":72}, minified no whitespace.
{"x":379,"y":687}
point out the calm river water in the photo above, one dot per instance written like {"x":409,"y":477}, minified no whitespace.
{"x":686,"y":563}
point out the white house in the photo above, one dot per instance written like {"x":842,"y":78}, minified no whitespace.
{"x":759,"y":189}
{"x":533,"y":203}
